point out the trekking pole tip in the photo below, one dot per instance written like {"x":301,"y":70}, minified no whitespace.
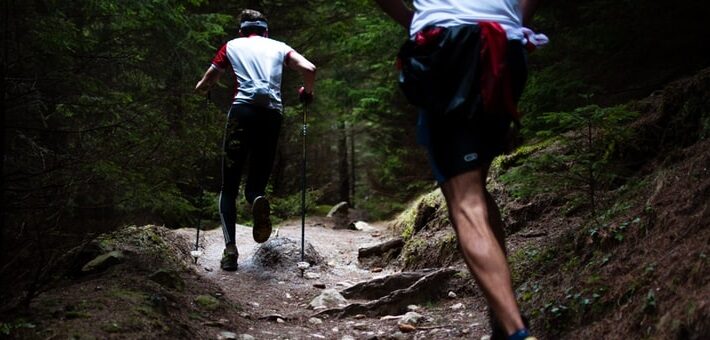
{"x":302,"y":266}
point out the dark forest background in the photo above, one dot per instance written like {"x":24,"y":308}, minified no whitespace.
{"x":102,"y":128}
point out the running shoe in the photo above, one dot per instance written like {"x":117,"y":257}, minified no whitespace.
{"x":262,"y":222}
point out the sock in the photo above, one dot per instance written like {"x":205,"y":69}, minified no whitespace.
{"x":520,"y":334}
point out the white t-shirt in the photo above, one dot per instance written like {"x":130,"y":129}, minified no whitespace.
{"x":257,"y":63}
{"x":447,"y":13}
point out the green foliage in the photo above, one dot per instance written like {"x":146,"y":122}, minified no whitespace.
{"x":583,"y":159}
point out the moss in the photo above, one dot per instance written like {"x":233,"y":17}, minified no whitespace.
{"x":128,"y":295}
{"x":506,"y":161}
{"x":207,"y":302}
{"x":405,"y":222}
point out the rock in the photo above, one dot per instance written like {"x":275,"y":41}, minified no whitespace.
{"x":104,"y":261}
{"x":319,"y":285}
{"x":282,"y":254}
{"x":340,"y":208}
{"x":361,"y":226}
{"x":207,"y":302}
{"x":427,"y":288}
{"x":360,"y":326}
{"x":452,"y":295}
{"x":486,"y":337}
{"x":280,"y":320}
{"x":225,"y":335}
{"x":411,"y":318}
{"x":328,"y":298}
{"x":406,"y":328}
{"x":168,"y":278}
{"x":255,"y":304}
{"x":376,"y":269}
{"x":359,"y":316}
{"x":344,"y":284}
{"x":413,"y":308}
{"x":311,"y":276}
{"x":246,"y":337}
{"x":458,"y":306}
{"x":340,"y":215}
{"x":347,"y":337}
{"x":315,"y":321}
{"x":218,"y":323}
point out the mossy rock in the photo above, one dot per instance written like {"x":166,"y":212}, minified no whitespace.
{"x":207,"y":302}
{"x":103,"y":262}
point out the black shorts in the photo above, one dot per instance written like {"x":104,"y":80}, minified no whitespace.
{"x":462,"y":140}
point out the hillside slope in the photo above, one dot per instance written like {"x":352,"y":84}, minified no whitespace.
{"x":630,"y":264}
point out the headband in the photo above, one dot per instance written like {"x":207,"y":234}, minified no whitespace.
{"x":256,"y":24}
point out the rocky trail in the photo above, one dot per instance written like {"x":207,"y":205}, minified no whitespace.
{"x":336,"y":298}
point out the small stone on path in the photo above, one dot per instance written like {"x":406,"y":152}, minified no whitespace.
{"x":311,"y":276}
{"x":347,"y":337}
{"x":411,"y":318}
{"x":315,"y":321}
{"x":224,"y":335}
{"x":319,"y":285}
{"x":413,"y":308}
{"x":458,"y":306}
{"x":486,"y":337}
{"x":406,"y":328}
{"x":452,"y":295}
{"x":376,"y":270}
{"x":246,"y":337}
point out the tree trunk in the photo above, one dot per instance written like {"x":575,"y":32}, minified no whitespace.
{"x":343,"y":173}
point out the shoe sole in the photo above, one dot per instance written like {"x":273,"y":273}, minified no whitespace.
{"x":262,"y":223}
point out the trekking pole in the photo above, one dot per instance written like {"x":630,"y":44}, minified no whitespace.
{"x":303,"y":265}
{"x":197,"y":252}
{"x":303,"y":184}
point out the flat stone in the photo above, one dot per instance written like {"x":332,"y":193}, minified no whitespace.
{"x":315,"y":321}
{"x":452,"y":295}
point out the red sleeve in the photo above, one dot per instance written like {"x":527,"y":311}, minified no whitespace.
{"x":220,"y":60}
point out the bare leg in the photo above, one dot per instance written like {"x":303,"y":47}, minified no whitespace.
{"x":469,"y":207}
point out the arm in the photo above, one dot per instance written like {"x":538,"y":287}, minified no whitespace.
{"x":304,"y":67}
{"x":210,"y":77}
{"x":527,"y":7}
{"x":398,"y":11}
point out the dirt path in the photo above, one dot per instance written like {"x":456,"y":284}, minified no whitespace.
{"x":274,"y":304}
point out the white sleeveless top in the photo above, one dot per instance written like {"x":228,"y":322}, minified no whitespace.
{"x":447,"y":13}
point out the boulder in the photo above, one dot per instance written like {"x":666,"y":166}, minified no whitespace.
{"x":104,"y":261}
{"x":329,"y":298}
{"x":283,"y":253}
{"x":340,"y":215}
